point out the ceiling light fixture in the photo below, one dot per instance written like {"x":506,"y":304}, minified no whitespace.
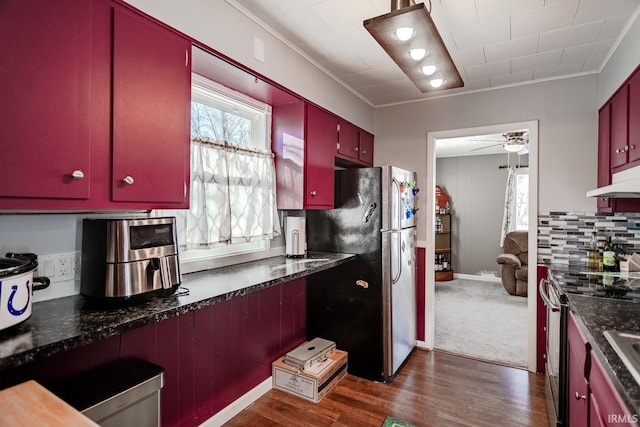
{"x":414,"y":20}
{"x":436,"y":83}
{"x":513,"y":147}
{"x":417,"y":53}
{"x":428,"y":70}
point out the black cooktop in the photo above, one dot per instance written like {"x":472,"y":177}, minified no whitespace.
{"x":618,"y":285}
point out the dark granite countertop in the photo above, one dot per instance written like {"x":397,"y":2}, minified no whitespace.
{"x":596,"y":314}
{"x":65,"y":323}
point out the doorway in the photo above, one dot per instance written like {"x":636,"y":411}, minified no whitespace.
{"x":430,"y":309}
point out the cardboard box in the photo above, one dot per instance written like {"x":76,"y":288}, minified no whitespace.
{"x":314,"y":383}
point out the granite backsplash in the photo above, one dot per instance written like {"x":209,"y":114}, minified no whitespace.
{"x":563,"y":237}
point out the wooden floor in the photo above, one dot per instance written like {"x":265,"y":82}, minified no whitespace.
{"x":432,"y":389}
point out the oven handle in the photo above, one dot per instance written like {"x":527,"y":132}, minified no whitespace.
{"x":545,"y":296}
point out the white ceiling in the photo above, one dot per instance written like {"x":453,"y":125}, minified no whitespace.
{"x":477,"y":145}
{"x":492,"y":42}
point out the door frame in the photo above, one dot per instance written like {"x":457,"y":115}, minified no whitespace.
{"x":429,"y":316}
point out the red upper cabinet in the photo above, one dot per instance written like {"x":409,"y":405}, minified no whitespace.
{"x":93,"y":93}
{"x":304,"y":138}
{"x":320,"y":137}
{"x":365,"y":148}
{"x":619,"y":128}
{"x":604,"y":144}
{"x":151,"y":107}
{"x":348,"y":140}
{"x":45,"y":79}
{"x":634,"y":118}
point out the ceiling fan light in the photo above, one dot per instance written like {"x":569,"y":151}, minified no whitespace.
{"x":436,"y":82}
{"x":417,"y":53}
{"x":429,"y":70}
{"x":513,"y":147}
{"x":404,"y":33}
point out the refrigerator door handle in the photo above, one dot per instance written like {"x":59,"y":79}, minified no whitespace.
{"x":398,"y":204}
{"x":398,"y":258}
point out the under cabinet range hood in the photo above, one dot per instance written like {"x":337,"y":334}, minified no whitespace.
{"x":625,"y":184}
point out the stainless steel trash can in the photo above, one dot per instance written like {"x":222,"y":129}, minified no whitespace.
{"x":124,"y":393}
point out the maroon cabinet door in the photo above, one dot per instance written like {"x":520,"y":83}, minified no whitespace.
{"x":365,"y":148}
{"x":579,"y":364}
{"x":619,"y":127}
{"x":604,"y":147}
{"x":320,"y":139}
{"x":151,"y":109}
{"x":45,"y":109}
{"x":634,"y":118}
{"x":348,"y":140}
{"x":606,"y":405}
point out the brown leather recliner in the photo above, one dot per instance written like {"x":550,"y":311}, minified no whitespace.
{"x":514,"y":263}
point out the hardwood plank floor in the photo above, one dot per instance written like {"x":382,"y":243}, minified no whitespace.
{"x":432,"y":389}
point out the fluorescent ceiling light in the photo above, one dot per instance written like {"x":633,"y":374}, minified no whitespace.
{"x":424,"y":35}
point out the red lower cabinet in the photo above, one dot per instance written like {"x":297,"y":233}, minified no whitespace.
{"x":593,"y":399}
{"x":606,"y":406}
{"x":211,"y":356}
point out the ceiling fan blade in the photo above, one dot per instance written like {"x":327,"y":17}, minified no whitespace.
{"x":488,"y":146}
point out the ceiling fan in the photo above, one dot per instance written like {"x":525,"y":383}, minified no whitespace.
{"x":514,"y":142}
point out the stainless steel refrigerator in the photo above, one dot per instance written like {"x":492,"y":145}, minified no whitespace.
{"x":368,"y":306}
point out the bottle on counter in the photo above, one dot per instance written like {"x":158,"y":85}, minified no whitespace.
{"x":593,"y":252}
{"x":608,"y":256}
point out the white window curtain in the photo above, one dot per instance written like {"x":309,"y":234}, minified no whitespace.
{"x":233,"y":196}
{"x":509,"y":200}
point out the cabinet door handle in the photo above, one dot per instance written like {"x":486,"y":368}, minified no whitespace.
{"x":580,"y":397}
{"x":186,"y":57}
{"x":626,"y":148}
{"x":128,"y":180}
{"x":314,"y":193}
{"x":77,"y":174}
{"x":364,"y":152}
{"x":617,"y":151}
{"x":355,"y":149}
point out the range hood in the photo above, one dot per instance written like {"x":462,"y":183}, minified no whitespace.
{"x":625,"y":184}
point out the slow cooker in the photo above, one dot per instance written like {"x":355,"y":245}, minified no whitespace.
{"x":16,"y":287}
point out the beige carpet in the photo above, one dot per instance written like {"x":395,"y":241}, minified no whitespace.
{"x":481,"y":320}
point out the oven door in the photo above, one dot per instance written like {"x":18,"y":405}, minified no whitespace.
{"x":556,"y":382}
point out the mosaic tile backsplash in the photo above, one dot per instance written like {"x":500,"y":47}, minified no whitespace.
{"x":563,"y":237}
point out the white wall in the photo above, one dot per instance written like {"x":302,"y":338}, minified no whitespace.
{"x":222,"y":27}
{"x":621,"y":64}
{"x":567,"y":114}
{"x":476,"y":186}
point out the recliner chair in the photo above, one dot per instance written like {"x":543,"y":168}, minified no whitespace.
{"x":514,"y":263}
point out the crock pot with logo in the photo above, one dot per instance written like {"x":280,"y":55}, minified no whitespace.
{"x":16,"y":287}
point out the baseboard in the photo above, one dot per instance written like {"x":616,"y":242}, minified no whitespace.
{"x":238,"y":405}
{"x":422,"y":344}
{"x":477,"y":277}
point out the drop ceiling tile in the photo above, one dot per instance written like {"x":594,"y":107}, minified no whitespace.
{"x":341,"y":15}
{"x":510,"y":48}
{"x":300,"y":22}
{"x":372,"y":77}
{"x":585,"y":52}
{"x":612,"y":27}
{"x":333,"y":45}
{"x":548,"y":18}
{"x":477,"y":84}
{"x":466,"y":58}
{"x":470,"y":36}
{"x":591,"y":65}
{"x":489,"y":9}
{"x":347,"y":64}
{"x":537,"y":61}
{"x":507,"y":79}
{"x":375,"y":57}
{"x":487,"y":70}
{"x":453,"y":14}
{"x":570,"y":36}
{"x":594,"y":10}
{"x":562,"y":70}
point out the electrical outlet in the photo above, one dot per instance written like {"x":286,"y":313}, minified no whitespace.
{"x":75,"y":265}
{"x":62,"y":266}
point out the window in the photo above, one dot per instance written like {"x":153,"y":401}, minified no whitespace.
{"x":233,"y":204}
{"x":520,"y":214}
